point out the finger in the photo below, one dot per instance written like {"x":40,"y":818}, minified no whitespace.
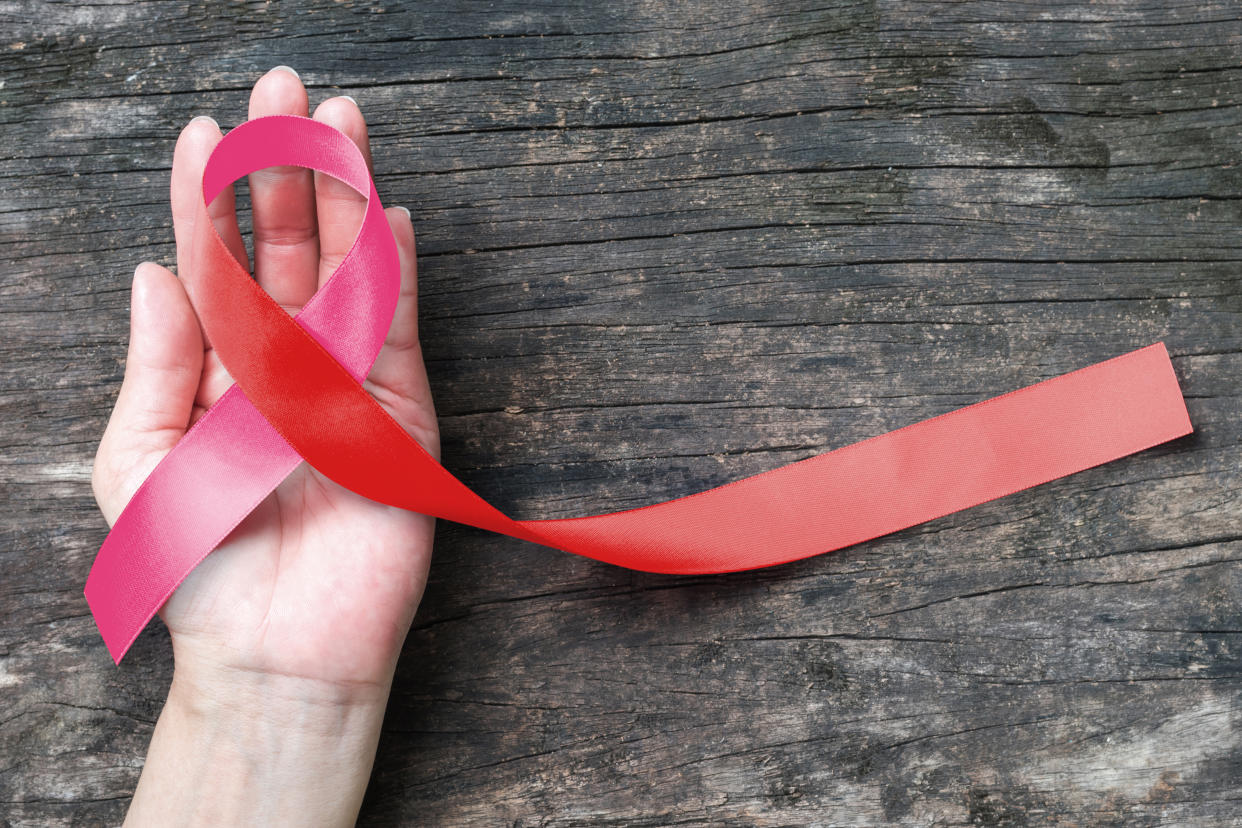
{"x":340,"y":208}
{"x":398,"y":379}
{"x":286,"y":236}
{"x":216,"y":380}
{"x":162,"y":373}
{"x":194,"y":145}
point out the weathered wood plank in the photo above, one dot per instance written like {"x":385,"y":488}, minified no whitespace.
{"x":664,"y":246}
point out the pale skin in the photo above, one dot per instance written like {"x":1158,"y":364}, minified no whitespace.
{"x":286,"y":637}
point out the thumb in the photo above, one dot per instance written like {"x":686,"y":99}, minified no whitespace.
{"x":162,"y":373}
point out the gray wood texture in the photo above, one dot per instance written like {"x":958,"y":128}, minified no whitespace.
{"x":664,"y":246}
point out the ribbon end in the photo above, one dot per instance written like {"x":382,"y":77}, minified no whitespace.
{"x":1182,"y":425}
{"x":113,"y":640}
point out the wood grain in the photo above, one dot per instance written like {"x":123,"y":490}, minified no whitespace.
{"x":663,"y":246}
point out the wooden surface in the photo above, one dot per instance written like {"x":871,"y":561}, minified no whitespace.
{"x":663,"y":246}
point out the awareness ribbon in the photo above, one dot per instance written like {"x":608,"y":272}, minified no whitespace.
{"x":298,"y":396}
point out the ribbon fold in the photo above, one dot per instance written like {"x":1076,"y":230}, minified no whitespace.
{"x":298,"y":396}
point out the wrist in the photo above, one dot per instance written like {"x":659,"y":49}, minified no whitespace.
{"x":235,"y":746}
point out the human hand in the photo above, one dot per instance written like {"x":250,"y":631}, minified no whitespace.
{"x":285,"y":638}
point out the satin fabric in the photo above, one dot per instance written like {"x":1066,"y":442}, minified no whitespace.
{"x":298,"y":397}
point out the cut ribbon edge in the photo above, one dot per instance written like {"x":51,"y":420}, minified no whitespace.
{"x":286,"y":367}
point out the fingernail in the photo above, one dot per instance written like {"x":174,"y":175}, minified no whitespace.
{"x":289,"y":69}
{"x":405,"y":210}
{"x":207,"y":118}
{"x":138,"y":289}
{"x":140,"y":269}
{"x":350,"y":99}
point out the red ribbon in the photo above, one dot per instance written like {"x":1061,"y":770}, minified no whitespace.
{"x":303,"y":376}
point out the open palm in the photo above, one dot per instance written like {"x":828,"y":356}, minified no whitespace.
{"x":318,"y":582}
